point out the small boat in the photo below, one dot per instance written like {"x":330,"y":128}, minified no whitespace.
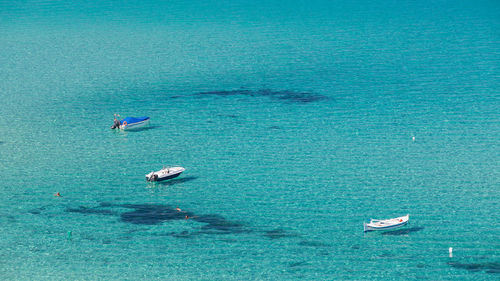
{"x":129,"y":123}
{"x":386,"y":224}
{"x":165,"y":174}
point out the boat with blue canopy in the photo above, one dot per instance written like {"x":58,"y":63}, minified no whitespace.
{"x":129,"y":123}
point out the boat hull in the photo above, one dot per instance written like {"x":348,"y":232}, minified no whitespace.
{"x":169,"y":177}
{"x":376,"y":225}
{"x":133,"y":126}
{"x":165,"y":174}
{"x":370,"y":228}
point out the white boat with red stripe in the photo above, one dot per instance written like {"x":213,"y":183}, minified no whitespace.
{"x":386,"y":224}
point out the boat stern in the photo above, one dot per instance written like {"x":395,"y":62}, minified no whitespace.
{"x":149,"y":176}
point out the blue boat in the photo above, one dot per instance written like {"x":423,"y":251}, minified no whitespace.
{"x":129,"y":123}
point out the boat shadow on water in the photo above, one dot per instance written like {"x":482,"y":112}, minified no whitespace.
{"x":405,"y":231}
{"x":174,"y":181}
{"x":141,"y":129}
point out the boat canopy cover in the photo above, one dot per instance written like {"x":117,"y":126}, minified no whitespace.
{"x":132,"y":120}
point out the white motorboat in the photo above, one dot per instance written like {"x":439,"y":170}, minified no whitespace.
{"x":386,"y":224}
{"x":165,"y":174}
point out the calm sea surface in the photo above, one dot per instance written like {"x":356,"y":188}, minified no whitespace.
{"x":295,"y":120}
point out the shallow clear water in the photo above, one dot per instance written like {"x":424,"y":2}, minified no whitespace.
{"x":294,"y":121}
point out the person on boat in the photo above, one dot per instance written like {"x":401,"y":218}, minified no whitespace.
{"x":153,"y":177}
{"x":116,"y":122}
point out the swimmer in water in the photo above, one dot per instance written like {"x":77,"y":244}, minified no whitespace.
{"x":178,"y":209}
{"x":58,"y":194}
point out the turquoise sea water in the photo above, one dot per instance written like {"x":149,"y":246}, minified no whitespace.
{"x":294,"y":121}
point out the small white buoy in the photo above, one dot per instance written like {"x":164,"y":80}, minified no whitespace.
{"x":413,"y":138}
{"x":450,"y":250}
